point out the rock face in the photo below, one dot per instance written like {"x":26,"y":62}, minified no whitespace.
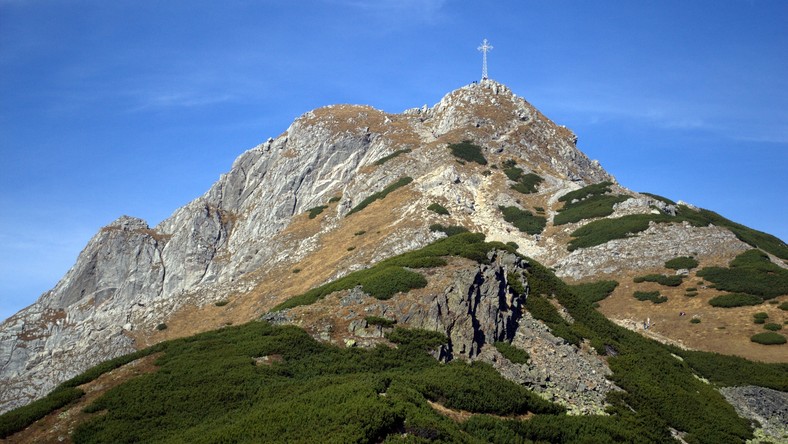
{"x":575,"y":377}
{"x":235,"y":241}
{"x":767,"y":407}
{"x":479,"y":307}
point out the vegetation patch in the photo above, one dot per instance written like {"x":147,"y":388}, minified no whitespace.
{"x":385,"y":159}
{"x":161,"y":326}
{"x":760,"y":317}
{"x":360,"y":233}
{"x":768,"y":338}
{"x":377,"y":320}
{"x":661,"y":279}
{"x":652,"y":296}
{"x":594,"y":291}
{"x":660,"y":198}
{"x":695,"y":321}
{"x":448,"y":230}
{"x":587,"y":191}
{"x":334,"y":199}
{"x":750,"y":272}
{"x":512,"y":353}
{"x":525,"y":183}
{"x":783,"y":306}
{"x":772,"y":326}
{"x":604,"y":230}
{"x":467,"y":150}
{"x":315,"y":393}
{"x":20,"y":418}
{"x":683,"y":262}
{"x":221,"y":303}
{"x":601,"y":231}
{"x":381,"y":194}
{"x":524,"y":220}
{"x":541,"y":308}
{"x":315,"y":211}
{"x":439,"y":209}
{"x":730,"y":300}
{"x":598,"y":205}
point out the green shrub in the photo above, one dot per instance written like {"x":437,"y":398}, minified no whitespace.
{"x":438,"y":208}
{"x":593,"y":206}
{"x":351,"y":248}
{"x":601,"y":231}
{"x":385,"y":159}
{"x":768,"y":338}
{"x":668,"y":281}
{"x":360,"y":233}
{"x":381,"y":194}
{"x":512,"y":353}
{"x":594,"y":291}
{"x":760,"y":317}
{"x":161,"y":326}
{"x":692,"y":289}
{"x":450,"y":230}
{"x":221,"y":303}
{"x":663,"y":199}
{"x":296,"y":270}
{"x":772,"y":326}
{"x":652,"y":296}
{"x":691,"y":294}
{"x":515,"y":283}
{"x":585,"y":192}
{"x":539,"y":209}
{"x":750,"y":272}
{"x":734,"y":300}
{"x":682,"y":262}
{"x":377,"y":320}
{"x":525,"y":183}
{"x":513,"y":245}
{"x":315,"y":211}
{"x":695,"y":320}
{"x":466,"y":150}
{"x":334,"y":199}
{"x":524,"y":220}
{"x":783,"y":306}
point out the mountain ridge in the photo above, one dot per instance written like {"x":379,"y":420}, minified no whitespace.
{"x":243,"y":239}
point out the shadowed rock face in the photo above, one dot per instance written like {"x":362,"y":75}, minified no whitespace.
{"x":478,"y":308}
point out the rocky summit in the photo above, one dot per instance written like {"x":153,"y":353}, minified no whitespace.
{"x":303,"y":226}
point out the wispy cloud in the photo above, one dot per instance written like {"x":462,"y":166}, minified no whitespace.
{"x":603,"y":103}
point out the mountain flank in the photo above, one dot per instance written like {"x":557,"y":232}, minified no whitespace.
{"x":458,"y":220}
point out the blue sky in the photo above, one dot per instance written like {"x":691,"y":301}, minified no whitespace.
{"x":136,"y":107}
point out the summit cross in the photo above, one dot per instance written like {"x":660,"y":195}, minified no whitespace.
{"x":486,"y":46}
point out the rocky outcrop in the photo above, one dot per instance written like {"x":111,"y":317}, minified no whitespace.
{"x":478,"y":307}
{"x":766,"y":407}
{"x":649,"y":249}
{"x":575,"y":377}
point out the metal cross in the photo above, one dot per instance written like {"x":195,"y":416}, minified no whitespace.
{"x":484,"y":48}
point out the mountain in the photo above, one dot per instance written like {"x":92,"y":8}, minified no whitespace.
{"x":339,"y":226}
